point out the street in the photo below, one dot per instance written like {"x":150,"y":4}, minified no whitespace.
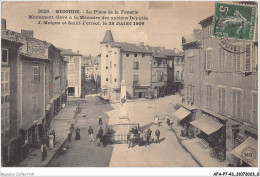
{"x":83,"y":153}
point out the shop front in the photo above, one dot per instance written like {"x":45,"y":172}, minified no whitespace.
{"x":212,"y":133}
{"x":140,"y":92}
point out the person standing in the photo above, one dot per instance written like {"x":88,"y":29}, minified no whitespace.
{"x":69,"y":135}
{"x":100,"y":121}
{"x":77,"y":136}
{"x":90,"y":133}
{"x":157,"y":134}
{"x":53,"y":133}
{"x":44,"y":151}
{"x":156,"y":120}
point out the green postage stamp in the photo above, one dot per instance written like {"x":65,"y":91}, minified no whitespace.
{"x":234,"y":21}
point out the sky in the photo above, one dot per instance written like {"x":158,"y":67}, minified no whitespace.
{"x":167,"y":23}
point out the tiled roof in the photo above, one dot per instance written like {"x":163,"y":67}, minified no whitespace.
{"x":108,"y":37}
{"x":67,"y":52}
{"x":158,"y":55}
{"x":170,"y":53}
{"x":129,"y":47}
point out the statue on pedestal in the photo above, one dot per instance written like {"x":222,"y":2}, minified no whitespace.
{"x":123,"y":115}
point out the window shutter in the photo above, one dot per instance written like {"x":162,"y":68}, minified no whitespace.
{"x":223,"y":100}
{"x":238,"y":58}
{"x":220,"y":59}
{"x":248,"y":55}
{"x":191,"y":93}
{"x":187,"y":94}
{"x":234,"y":59}
{"x":137,"y":65}
{"x":234,"y":103}
{"x":220,"y":100}
{"x":254,"y":106}
{"x":239,"y":104}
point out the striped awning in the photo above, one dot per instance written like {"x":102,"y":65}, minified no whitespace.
{"x":181,"y":113}
{"x":247,"y":151}
{"x":207,"y":125}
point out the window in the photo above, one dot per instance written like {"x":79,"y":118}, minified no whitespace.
{"x":136,"y":65}
{"x":248,"y":55}
{"x":5,"y":117}
{"x":209,"y":30}
{"x":135,"y":54}
{"x":222,"y":99}
{"x":106,"y":67}
{"x":71,"y":66}
{"x":182,"y":75}
{"x":209,"y":96}
{"x":71,"y":59}
{"x":5,"y":81}
{"x":114,"y":65}
{"x":107,"y":56}
{"x":191,"y":64}
{"x":177,"y":76}
{"x":110,"y":64}
{"x":4,"y":56}
{"x":106,"y":79}
{"x":159,"y":76}
{"x":209,"y":58}
{"x":106,"y":46}
{"x":237,"y":101}
{"x":127,"y":55}
{"x":236,"y":59}
{"x":110,"y":78}
{"x":190,"y":93}
{"x":254,"y":107}
{"x":115,"y":80}
{"x":143,"y":55}
{"x":115,"y":53}
{"x":170,"y":64}
{"x":135,"y":79}
{"x":221,"y":59}
{"x":178,"y":60}
{"x":36,"y":73}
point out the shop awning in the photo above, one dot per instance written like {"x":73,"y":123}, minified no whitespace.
{"x":207,"y":125}
{"x":29,"y":125}
{"x":248,"y":146}
{"x":140,"y":90}
{"x":181,"y":113}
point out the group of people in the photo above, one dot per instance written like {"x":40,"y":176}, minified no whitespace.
{"x":99,"y":136}
{"x":46,"y":143}
{"x":142,"y":138}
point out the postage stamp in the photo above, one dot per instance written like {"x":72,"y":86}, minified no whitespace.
{"x":249,"y":154}
{"x":234,"y":21}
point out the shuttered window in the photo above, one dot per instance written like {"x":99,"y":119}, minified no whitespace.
{"x":209,"y":96}
{"x":188,"y":93}
{"x":237,"y":98}
{"x":222,"y":99}
{"x":237,"y":59}
{"x":5,"y":81}
{"x":135,"y":79}
{"x":254,"y":107}
{"x":221,"y":59}
{"x":136,"y":65}
{"x":248,"y":58}
{"x":209,"y":59}
{"x":191,"y":64}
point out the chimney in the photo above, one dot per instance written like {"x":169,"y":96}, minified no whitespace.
{"x":28,"y":33}
{"x":141,"y":44}
{"x":77,"y":51}
{"x":3,"y":23}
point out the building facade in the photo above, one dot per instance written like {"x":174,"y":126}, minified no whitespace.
{"x":221,"y":88}
{"x":124,"y":61}
{"x":73,"y":71}
{"x":38,"y":85}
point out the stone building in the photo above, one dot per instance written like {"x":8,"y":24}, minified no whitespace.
{"x":121,"y":60}
{"x":40,"y":81}
{"x":73,"y":71}
{"x":222,"y":89}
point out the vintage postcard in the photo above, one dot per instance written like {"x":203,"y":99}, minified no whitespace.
{"x":129,"y":84}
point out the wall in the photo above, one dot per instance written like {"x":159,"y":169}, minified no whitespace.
{"x":144,"y":70}
{"x":32,"y":110}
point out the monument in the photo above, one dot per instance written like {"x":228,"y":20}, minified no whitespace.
{"x":123,"y":125}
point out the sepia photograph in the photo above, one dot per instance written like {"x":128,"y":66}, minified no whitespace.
{"x":129,"y":84}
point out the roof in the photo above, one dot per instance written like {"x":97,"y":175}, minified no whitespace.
{"x":206,"y":19}
{"x":158,"y":55}
{"x":68,"y":52}
{"x":170,"y":53}
{"x":129,"y":47}
{"x":108,"y":37}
